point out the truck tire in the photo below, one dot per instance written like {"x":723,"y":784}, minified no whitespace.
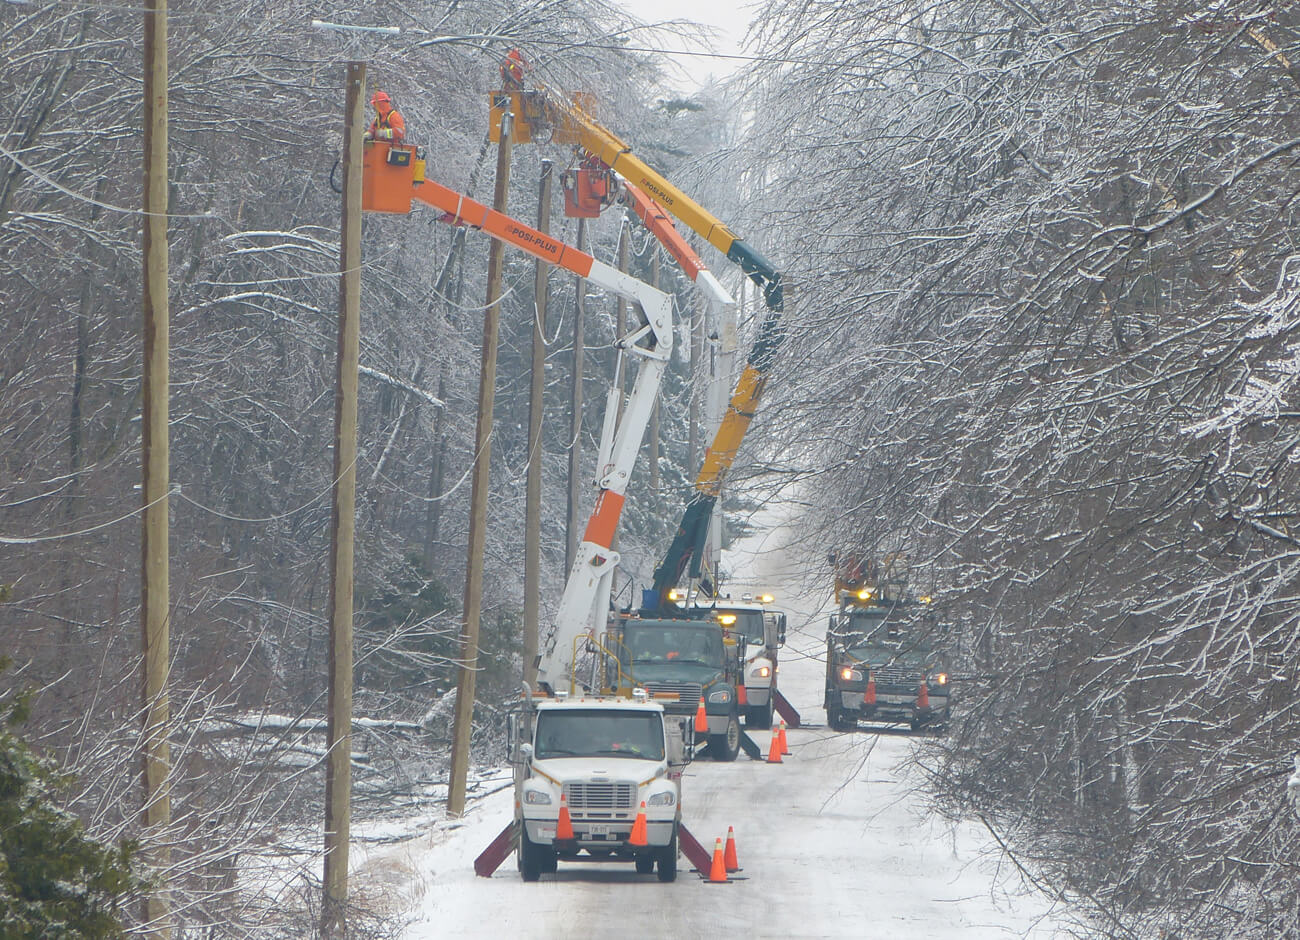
{"x":724,"y":747}
{"x":759,"y":716}
{"x":834,"y":718}
{"x":645,"y":864}
{"x":533,"y":858}
{"x":666,"y":859}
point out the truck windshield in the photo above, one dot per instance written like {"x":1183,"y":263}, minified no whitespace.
{"x":580,"y":732}
{"x":679,"y":643}
{"x":749,"y":623}
{"x":867,"y":634}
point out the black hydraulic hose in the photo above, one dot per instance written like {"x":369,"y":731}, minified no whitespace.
{"x":334,"y":169}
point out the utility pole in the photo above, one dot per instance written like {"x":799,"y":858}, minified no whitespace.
{"x":338,"y":760}
{"x":654,"y":414}
{"x":155,"y":472}
{"x":533,"y":485}
{"x":575,"y":411}
{"x":466,"y":675}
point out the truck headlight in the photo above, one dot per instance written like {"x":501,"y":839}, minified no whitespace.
{"x":941,"y":678}
{"x":720,"y":696}
{"x":763,"y":672}
{"x":667,"y":798}
{"x":850,"y":675}
{"x":537,"y":796}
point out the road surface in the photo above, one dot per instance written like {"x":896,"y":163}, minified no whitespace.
{"x":832,"y":842}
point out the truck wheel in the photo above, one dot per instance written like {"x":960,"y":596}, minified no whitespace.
{"x":724,"y":747}
{"x":667,"y":859}
{"x":533,"y":858}
{"x":834,"y":718}
{"x":759,"y":716}
{"x":645,"y":864}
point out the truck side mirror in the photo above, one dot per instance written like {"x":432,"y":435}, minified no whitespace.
{"x":780,"y":630}
{"x":526,"y":752}
{"x":681,"y":741}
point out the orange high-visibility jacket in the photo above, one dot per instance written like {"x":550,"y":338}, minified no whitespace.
{"x":393,"y":121}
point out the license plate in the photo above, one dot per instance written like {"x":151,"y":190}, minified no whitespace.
{"x":601,"y":831}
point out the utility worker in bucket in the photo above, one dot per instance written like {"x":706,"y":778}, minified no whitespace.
{"x":389,"y":125}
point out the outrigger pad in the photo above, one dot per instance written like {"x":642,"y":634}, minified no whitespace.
{"x":496,"y":853}
{"x":782,"y":705}
{"x":695,"y":853}
{"x":748,"y":745}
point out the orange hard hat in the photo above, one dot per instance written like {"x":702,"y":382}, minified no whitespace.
{"x":379,"y":97}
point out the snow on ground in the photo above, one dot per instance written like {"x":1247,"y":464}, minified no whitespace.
{"x":831,"y":841}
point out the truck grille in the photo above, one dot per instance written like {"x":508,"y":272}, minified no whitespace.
{"x":688,"y":694}
{"x":600,"y":795}
{"x":897,"y":675}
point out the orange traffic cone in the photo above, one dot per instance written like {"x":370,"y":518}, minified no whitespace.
{"x":638,"y":836}
{"x":923,"y":697}
{"x":869,"y":696}
{"x":718,"y":870}
{"x":564,"y":827}
{"x":701,"y":720}
{"x":774,"y":749}
{"x":785,"y":748}
{"x":742,"y":697}
{"x":729,"y":856}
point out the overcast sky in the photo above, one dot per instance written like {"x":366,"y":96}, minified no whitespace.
{"x":729,"y":18}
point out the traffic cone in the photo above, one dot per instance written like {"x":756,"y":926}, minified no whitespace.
{"x":774,"y":749}
{"x":729,"y":856}
{"x":701,"y":719}
{"x":718,"y":870}
{"x":638,"y":836}
{"x":564,"y":827}
{"x":742,"y":697}
{"x":869,"y":696}
{"x":923,"y":697}
{"x":785,"y":748}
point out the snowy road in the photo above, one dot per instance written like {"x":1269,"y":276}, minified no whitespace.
{"x":831,"y":844}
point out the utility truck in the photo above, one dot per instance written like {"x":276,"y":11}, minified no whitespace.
{"x":881,"y":666}
{"x":598,"y":778}
{"x":594,"y":774}
{"x":883,"y":658}
{"x":760,"y":632}
{"x":686,"y":663}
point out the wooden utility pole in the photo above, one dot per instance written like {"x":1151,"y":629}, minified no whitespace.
{"x":654,"y":414}
{"x":575,"y":411}
{"x":338,"y":760}
{"x":533,"y":485}
{"x":155,"y":482}
{"x":466,"y":675}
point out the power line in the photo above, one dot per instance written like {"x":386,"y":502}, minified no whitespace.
{"x":469,"y":39}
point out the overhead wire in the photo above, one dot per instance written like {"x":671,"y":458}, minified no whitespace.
{"x":468,"y":39}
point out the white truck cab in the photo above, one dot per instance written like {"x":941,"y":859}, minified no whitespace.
{"x":604,"y":760}
{"x":763,"y":630}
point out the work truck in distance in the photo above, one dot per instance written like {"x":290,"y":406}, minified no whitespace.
{"x":761,"y":631}
{"x":680,"y":663}
{"x":883,"y":664}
